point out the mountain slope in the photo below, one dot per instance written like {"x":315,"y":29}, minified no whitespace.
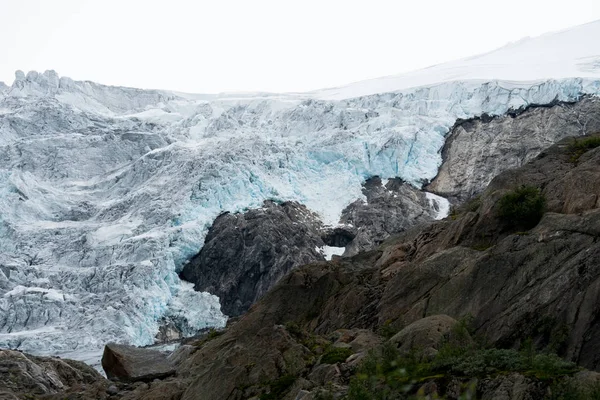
{"x":106,"y":192}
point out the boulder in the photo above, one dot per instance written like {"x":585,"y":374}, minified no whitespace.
{"x":513,"y":386}
{"x":131,"y":364}
{"x":427,"y":335}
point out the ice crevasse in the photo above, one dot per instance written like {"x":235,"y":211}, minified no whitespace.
{"x":105,"y":192}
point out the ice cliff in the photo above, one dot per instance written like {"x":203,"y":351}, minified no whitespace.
{"x":105,"y":192}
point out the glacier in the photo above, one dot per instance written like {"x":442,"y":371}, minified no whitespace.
{"x":106,"y":192}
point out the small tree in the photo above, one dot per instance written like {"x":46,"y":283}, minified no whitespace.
{"x":522,"y":207}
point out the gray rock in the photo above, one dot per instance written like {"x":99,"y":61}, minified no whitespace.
{"x":389,"y":209}
{"x":323,"y":374}
{"x":479,"y":149}
{"x":245,"y":254}
{"x":131,"y":364}
{"x":304,"y":395}
{"x":26,"y":376}
{"x":112,"y":390}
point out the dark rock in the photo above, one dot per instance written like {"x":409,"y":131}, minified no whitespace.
{"x":257,"y":354}
{"x":428,"y":334}
{"x":479,"y":149}
{"x":130,"y":364}
{"x":511,"y":387}
{"x":245,"y":254}
{"x":389,"y":209}
{"x":340,"y":236}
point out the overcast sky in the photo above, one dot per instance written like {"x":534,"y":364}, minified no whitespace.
{"x":248,"y":45}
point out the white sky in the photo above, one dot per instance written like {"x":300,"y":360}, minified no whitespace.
{"x":248,"y":45}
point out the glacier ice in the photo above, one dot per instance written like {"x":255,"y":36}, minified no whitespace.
{"x":106,"y":192}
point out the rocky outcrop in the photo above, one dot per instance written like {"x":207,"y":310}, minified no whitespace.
{"x":26,"y":376}
{"x":477,"y":150}
{"x":427,"y":335}
{"x":245,"y":254}
{"x":132,"y":364}
{"x":389,"y":209}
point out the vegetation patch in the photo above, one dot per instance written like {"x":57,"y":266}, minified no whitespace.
{"x":335,"y":355}
{"x":386,"y":374}
{"x":522,"y":207}
{"x":581,"y":146}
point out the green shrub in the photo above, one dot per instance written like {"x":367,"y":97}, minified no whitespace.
{"x":335,"y":355}
{"x":385,"y":374}
{"x":294,"y":329}
{"x":522,"y":207}
{"x":581,"y":146}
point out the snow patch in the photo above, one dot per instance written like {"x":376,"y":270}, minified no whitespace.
{"x":329,"y":251}
{"x":440,"y":204}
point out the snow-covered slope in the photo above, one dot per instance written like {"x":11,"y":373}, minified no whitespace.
{"x":105,"y":192}
{"x":567,"y":54}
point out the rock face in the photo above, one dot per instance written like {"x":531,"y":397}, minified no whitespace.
{"x":389,"y":209}
{"x":131,"y":364}
{"x":24,"y":375}
{"x":478,"y":149}
{"x":245,"y":254}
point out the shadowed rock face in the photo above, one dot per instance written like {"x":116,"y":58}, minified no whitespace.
{"x":245,"y":254}
{"x":478,"y":149}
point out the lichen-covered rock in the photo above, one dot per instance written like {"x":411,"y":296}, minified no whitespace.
{"x":131,"y":364}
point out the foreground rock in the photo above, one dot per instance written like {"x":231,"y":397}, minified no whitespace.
{"x":478,"y":149}
{"x":26,"y":376}
{"x":427,"y":335}
{"x":131,"y":364}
